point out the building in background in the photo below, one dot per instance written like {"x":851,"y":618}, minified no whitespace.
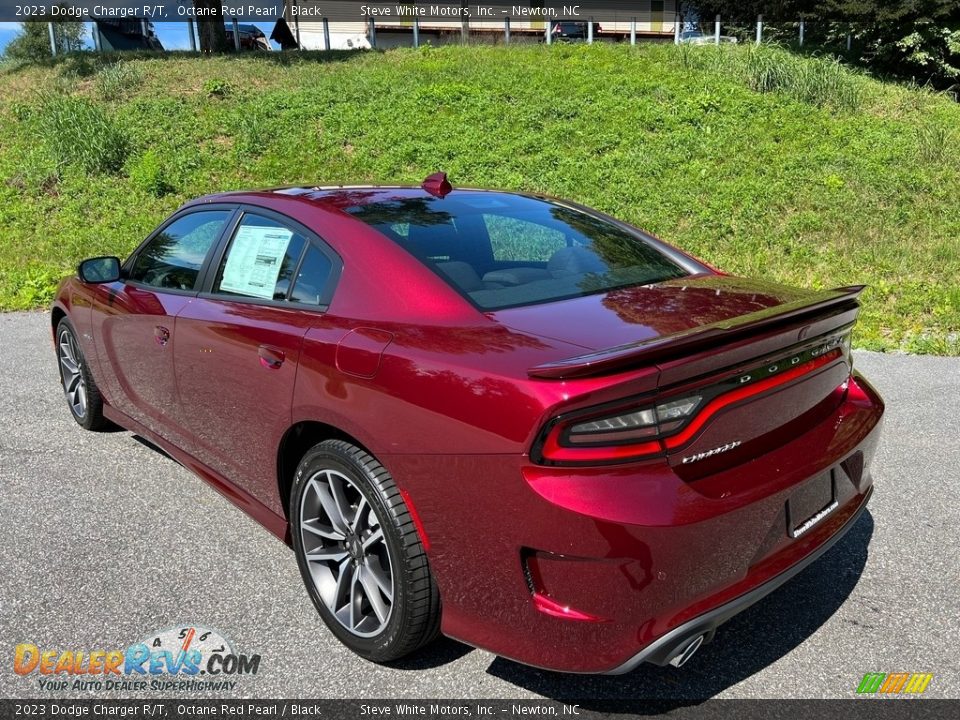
{"x":126,"y":34}
{"x":649,"y":19}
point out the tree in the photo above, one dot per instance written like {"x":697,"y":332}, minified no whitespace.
{"x":33,"y":42}
{"x":213,"y":35}
{"x":871,"y":12}
{"x":915,"y":39}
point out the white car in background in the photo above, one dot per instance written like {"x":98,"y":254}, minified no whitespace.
{"x":695,"y":37}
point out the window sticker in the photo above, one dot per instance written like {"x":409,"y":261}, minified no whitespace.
{"x":255,"y":260}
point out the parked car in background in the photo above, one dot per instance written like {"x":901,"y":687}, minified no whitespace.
{"x":695,"y":37}
{"x":500,"y":416}
{"x":573,"y":30}
{"x":251,"y":37}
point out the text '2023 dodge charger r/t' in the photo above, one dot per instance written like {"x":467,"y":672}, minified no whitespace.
{"x":503,"y":417}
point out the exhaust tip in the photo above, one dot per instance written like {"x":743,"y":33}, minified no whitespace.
{"x":687,"y":652}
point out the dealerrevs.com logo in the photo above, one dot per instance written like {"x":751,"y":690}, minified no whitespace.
{"x":187,"y":657}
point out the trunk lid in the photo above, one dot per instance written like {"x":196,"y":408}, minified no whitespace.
{"x":649,"y":324}
{"x":764,"y":361}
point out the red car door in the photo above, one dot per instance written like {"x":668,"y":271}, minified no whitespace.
{"x":238,"y":345}
{"x":133,"y":320}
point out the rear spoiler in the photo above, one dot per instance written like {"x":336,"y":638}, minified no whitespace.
{"x":838,"y":300}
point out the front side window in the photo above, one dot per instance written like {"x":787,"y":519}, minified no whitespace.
{"x":261,"y":259}
{"x":173,"y":258}
{"x":503,"y":250}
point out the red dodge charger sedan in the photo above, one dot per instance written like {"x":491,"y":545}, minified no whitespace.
{"x":503,"y":417}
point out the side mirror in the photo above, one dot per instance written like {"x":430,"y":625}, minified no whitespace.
{"x":99,"y":270}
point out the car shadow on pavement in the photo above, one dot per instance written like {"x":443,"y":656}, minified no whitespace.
{"x":749,"y":642}
{"x":156,"y":448}
{"x":440,"y":652}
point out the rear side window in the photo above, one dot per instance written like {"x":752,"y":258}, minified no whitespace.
{"x":173,"y":258}
{"x":312,"y":278}
{"x":502,"y":250}
{"x":261,"y":259}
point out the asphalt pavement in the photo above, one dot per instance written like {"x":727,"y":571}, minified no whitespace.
{"x":105,"y":540}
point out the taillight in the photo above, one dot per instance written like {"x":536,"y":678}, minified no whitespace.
{"x":637,"y":429}
{"x":620,"y":436}
{"x":636,"y":425}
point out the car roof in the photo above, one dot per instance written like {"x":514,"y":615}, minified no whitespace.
{"x":342,"y":197}
{"x":363,"y":247}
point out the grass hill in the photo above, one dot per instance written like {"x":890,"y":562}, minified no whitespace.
{"x":760,"y":162}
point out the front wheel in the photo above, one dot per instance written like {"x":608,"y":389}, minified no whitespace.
{"x":360,"y":555}
{"x":83,"y":395}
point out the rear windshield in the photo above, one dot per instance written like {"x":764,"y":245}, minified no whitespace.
{"x":507,"y":250}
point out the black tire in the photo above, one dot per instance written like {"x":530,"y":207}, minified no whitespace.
{"x":91,"y":417}
{"x":414,"y":618}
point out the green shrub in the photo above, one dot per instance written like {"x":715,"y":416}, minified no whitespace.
{"x":150,"y":175}
{"x":250,"y":130}
{"x":30,"y":286}
{"x":81,"y":64}
{"x":117,"y":79}
{"x":820,"y":81}
{"x":21,"y":111}
{"x":80,"y":133}
{"x":935,"y":142}
{"x":217,"y":87}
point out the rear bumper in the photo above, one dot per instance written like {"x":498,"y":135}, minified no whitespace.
{"x":642,"y":559}
{"x":666,"y":646}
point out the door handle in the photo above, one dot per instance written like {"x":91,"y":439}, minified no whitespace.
{"x":271,"y":357}
{"x":161,"y":335}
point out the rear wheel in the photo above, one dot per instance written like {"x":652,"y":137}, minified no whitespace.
{"x":360,"y":555}
{"x":83,"y":395}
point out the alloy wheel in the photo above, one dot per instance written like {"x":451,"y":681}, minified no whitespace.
{"x":346,"y":553}
{"x":71,"y":370}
